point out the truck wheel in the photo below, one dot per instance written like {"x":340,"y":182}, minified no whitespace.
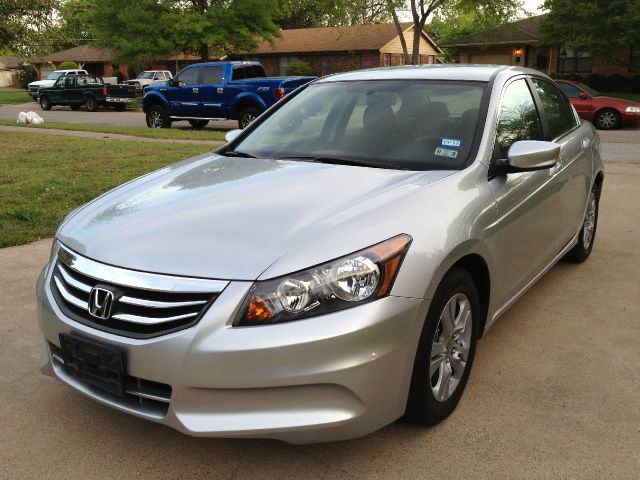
{"x":247,"y":116}
{"x":92,"y":104}
{"x":120,"y":107}
{"x":45,"y":103}
{"x":75,"y":107}
{"x":198,"y":124}
{"x":157,"y":117}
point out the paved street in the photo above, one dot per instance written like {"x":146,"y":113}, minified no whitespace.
{"x":104,"y":116}
{"x":554,"y":391}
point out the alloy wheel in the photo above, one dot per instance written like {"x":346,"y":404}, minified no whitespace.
{"x":589,"y":221}
{"x":450,"y":347}
{"x":155,"y":119}
{"x":607,"y":120}
{"x":247,"y":118}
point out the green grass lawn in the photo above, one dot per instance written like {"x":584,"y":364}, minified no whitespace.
{"x":170,"y":133}
{"x":634,"y":97}
{"x":9,"y":96}
{"x":43,"y":177}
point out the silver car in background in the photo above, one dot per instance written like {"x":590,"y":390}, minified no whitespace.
{"x":332,"y":267}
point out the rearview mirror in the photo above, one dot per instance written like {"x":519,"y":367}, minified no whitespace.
{"x":231,"y":135}
{"x":583,"y":96}
{"x":528,"y":155}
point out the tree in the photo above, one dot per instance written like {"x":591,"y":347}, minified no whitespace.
{"x":22,"y":23}
{"x":75,"y":25}
{"x":330,"y":13}
{"x":421,"y":10}
{"x":599,"y":27}
{"x":147,"y":30}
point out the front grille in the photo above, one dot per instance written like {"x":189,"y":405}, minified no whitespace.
{"x":144,"y":304}
{"x":142,"y":395}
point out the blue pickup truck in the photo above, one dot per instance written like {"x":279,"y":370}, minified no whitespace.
{"x":215,"y":90}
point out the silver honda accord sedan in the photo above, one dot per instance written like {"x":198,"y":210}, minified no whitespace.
{"x":332,"y":267}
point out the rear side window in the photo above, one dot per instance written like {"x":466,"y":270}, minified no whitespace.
{"x":555,"y":107}
{"x":239,"y":73}
{"x":518,"y":118}
{"x":211,"y":75}
{"x":189,"y":77}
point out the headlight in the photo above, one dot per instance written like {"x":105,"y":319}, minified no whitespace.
{"x":343,"y":283}
{"x":632,"y":109}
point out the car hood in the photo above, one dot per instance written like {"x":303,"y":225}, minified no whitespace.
{"x":42,"y":83}
{"x":232,"y":218}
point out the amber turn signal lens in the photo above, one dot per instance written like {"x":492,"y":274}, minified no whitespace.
{"x":258,"y":310}
{"x":390,"y":253}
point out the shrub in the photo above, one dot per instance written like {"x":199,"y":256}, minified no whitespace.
{"x":119,"y":75}
{"x":634,"y":84}
{"x":131,"y":71}
{"x":617,"y":83}
{"x":25,"y":75}
{"x":299,"y":67}
{"x":597,"y":81}
{"x":68,"y":65}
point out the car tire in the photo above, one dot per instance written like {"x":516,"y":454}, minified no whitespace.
{"x":247,"y":116}
{"x":91,"y":104}
{"x":587,"y":234}
{"x":45,"y":103}
{"x":446,"y":350}
{"x":157,"y":117}
{"x":74,"y":107}
{"x":120,"y":107}
{"x":607,"y":119}
{"x":198,"y":124}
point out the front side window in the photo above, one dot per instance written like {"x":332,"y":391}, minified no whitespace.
{"x":408,"y":124}
{"x":146,"y":75}
{"x":189,"y":76}
{"x":569,"y":90}
{"x":556,"y":108}
{"x":518,"y":118}
{"x":54,"y":75}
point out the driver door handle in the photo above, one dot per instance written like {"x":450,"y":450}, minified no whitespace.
{"x":194,"y":90}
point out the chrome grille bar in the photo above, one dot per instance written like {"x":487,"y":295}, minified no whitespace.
{"x":125,"y":317}
{"x":158,"y":304}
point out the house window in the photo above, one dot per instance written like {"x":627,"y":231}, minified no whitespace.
{"x":284,"y":62}
{"x":570,"y":61}
{"x":634,"y":60}
{"x":387,"y":59}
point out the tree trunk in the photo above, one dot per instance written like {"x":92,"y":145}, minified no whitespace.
{"x":403,"y":42}
{"x":204,"y":52}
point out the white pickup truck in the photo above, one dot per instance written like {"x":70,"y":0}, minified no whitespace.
{"x":148,"y":77}
{"x":33,"y":87}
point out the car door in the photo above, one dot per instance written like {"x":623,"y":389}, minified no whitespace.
{"x":57,"y":92}
{"x":576,"y":154}
{"x":581,"y":101}
{"x":528,"y":232}
{"x":183,"y":93}
{"x":211,"y":92}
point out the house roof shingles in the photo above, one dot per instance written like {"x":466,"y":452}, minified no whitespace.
{"x":522,"y":31}
{"x":371,"y":36}
{"x":83,"y":53}
{"x":10,"y":62}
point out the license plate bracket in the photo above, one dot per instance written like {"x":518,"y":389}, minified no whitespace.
{"x":94,"y":363}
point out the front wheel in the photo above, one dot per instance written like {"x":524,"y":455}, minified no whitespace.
{"x":607,"y":119}
{"x":446,"y":350}
{"x":247,"y":116}
{"x":45,"y":103}
{"x":587,"y":234}
{"x":198,"y":124}
{"x":92,"y":104}
{"x":157,"y":117}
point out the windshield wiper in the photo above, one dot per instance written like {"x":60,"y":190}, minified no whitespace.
{"x":330,"y":160}
{"x":235,"y":153}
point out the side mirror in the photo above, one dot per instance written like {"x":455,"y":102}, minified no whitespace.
{"x":231,"y":135}
{"x":583,"y":96}
{"x":529,"y":155}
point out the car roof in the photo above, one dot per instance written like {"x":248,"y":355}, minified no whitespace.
{"x":462,"y":72}
{"x":217,"y":64}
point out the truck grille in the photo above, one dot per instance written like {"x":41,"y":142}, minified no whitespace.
{"x":141,"y":305}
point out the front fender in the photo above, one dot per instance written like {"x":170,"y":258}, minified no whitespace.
{"x":152,"y":98}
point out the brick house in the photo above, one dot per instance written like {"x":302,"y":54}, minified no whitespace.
{"x":338,"y":49}
{"x":8,"y":68}
{"x":516,"y":44}
{"x":95,"y":60}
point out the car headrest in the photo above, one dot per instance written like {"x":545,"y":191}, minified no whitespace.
{"x":378,"y":119}
{"x":437,"y":111}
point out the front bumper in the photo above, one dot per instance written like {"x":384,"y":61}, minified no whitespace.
{"x":326,"y":378}
{"x":630,"y":119}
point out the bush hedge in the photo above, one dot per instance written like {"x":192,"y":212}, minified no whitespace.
{"x":68,"y":66}
{"x":25,"y":75}
{"x":606,"y":83}
{"x":299,"y":68}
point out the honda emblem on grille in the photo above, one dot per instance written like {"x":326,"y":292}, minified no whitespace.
{"x":100,"y":302}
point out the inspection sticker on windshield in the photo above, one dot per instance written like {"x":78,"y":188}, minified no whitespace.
{"x":450,"y":142}
{"x":446,"y":152}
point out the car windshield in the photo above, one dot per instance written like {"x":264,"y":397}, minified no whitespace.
{"x":589,"y":90}
{"x":54,"y":75}
{"x":401,"y":124}
{"x":148,"y":75}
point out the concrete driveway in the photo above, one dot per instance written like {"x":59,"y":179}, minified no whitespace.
{"x":554,"y":392}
